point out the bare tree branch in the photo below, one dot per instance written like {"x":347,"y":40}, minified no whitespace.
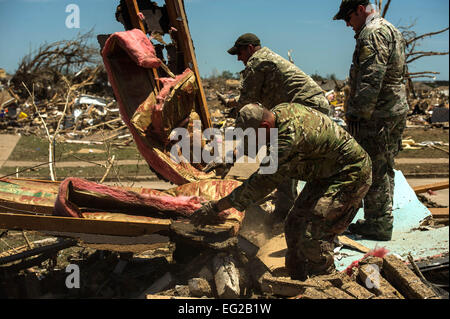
{"x":386,"y":8}
{"x":424,"y":54}
{"x":425,"y":72}
{"x":425,"y":35}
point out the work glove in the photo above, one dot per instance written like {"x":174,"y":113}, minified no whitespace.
{"x":206,"y":215}
{"x":221,"y":169}
{"x":353,"y":127}
{"x":222,"y":99}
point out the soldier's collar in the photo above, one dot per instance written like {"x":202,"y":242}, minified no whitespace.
{"x":369,"y":19}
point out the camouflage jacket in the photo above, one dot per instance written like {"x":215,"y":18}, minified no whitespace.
{"x":312,"y":148}
{"x":270,"y":80}
{"x":377,"y":74}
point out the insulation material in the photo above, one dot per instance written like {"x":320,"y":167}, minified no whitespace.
{"x":77,"y":195}
{"x":27,"y":196}
{"x":85,"y":199}
{"x":159,"y":115}
{"x":127,"y":57}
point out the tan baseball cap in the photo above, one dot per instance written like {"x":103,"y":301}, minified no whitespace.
{"x":243,"y":40}
{"x":250,"y":116}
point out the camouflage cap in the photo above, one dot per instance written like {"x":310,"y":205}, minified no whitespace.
{"x":243,"y":40}
{"x":347,"y":6}
{"x":250,"y":116}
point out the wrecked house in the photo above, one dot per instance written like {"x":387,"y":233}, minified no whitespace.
{"x":139,"y":241}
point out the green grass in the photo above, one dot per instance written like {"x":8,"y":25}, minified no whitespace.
{"x":90,"y":172}
{"x":32,"y":148}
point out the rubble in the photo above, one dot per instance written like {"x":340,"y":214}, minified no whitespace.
{"x":196,"y":268}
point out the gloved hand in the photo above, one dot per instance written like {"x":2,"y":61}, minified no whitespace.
{"x":221,"y":169}
{"x":222,"y":99}
{"x":207,"y":214}
{"x":353,"y":127}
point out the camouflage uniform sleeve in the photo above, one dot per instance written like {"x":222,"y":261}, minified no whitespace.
{"x":252,"y":82}
{"x":369,"y":68}
{"x":257,"y":186}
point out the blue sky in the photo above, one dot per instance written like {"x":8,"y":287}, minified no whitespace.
{"x":319,"y":44}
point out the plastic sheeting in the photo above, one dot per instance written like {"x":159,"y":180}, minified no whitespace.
{"x":408,"y":213}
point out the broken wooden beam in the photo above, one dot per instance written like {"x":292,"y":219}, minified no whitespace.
{"x":439,"y":212}
{"x":404,"y":279}
{"x":60,"y":244}
{"x":357,"y":291}
{"x":81,"y":225}
{"x":178,"y":20}
{"x":345,"y":241}
{"x":369,"y":275}
{"x":284,"y":286}
{"x":433,"y":187}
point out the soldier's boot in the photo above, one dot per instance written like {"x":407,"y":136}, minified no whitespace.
{"x":295,"y":266}
{"x":375,"y":229}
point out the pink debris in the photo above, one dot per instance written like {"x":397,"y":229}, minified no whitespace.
{"x":377,"y":252}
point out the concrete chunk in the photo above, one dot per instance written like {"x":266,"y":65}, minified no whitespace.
{"x":199,"y":287}
{"x":226,"y":277}
{"x":405,"y":280}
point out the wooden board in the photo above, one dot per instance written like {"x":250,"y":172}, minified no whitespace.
{"x":272,"y":254}
{"x":80,"y":225}
{"x":433,"y":187}
{"x":178,"y":20}
{"x":439,"y":212}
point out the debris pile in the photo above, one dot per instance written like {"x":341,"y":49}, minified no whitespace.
{"x":156,"y":274}
{"x":63,"y":83}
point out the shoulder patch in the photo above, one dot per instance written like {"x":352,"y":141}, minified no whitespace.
{"x":365,"y":53}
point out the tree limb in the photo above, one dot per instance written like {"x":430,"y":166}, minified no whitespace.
{"x":425,"y":35}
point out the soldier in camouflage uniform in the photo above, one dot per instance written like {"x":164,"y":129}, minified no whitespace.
{"x":270,"y":80}
{"x":337,"y":171}
{"x":377,"y":108}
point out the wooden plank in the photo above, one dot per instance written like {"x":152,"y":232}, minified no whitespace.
{"x":284,"y":286}
{"x":433,"y":187}
{"x":372,"y":279}
{"x":404,"y":279}
{"x":137,"y":23}
{"x":60,"y":244}
{"x":344,"y":240}
{"x":178,"y":20}
{"x":80,"y":225}
{"x":272,"y":255}
{"x":439,"y":212}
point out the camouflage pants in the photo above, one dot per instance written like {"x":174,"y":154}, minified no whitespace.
{"x":323,"y":210}
{"x":285,"y":198}
{"x":382,"y":140}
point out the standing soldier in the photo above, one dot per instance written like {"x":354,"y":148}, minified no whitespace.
{"x":377,"y":108}
{"x":337,"y":171}
{"x":270,"y":80}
